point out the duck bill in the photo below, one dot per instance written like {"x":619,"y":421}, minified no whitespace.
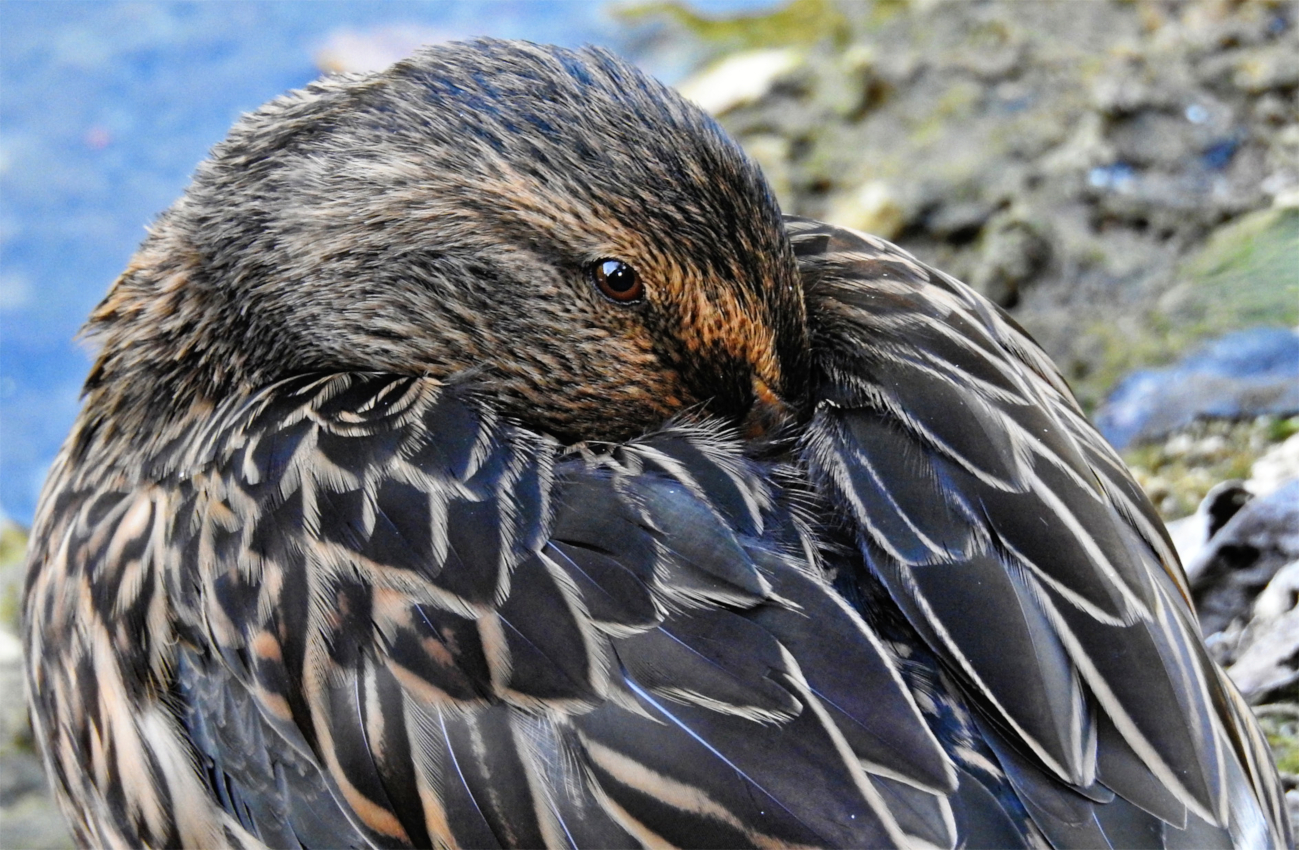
{"x":768,"y":415}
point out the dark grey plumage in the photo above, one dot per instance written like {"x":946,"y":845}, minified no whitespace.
{"x":383,"y":527}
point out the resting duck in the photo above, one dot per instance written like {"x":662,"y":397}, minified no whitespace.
{"x":476,"y":457}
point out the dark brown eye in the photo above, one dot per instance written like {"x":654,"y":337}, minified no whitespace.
{"x":617,"y":280}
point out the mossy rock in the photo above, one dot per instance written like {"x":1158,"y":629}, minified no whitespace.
{"x":797,"y":23}
{"x":1177,"y":473}
{"x":13,"y":545}
{"x":1280,"y":724}
{"x":1245,"y":275}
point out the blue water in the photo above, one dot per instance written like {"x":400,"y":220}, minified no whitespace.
{"x":105,"y":108}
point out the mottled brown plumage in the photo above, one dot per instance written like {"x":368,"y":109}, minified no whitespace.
{"x":384,"y":526}
{"x":438,"y":218}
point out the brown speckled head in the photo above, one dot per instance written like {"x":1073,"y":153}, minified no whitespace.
{"x":446,"y":217}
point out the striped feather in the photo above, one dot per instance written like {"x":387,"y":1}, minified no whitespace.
{"x":366,"y":611}
{"x":974,"y":484}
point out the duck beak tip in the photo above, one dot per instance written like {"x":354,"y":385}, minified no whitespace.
{"x":768,"y":414}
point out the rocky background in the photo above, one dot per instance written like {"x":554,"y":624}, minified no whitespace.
{"x":1122,"y":176}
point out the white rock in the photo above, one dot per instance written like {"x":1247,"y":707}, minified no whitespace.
{"x":1277,"y":466}
{"x":1280,"y":595}
{"x":1267,"y":663}
{"x":739,"y":79}
{"x":872,"y":207}
{"x":1191,"y":534}
{"x":11,"y":649}
{"x":362,"y":51}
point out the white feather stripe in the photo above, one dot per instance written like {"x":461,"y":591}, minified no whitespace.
{"x":1151,"y":536}
{"x":595,"y":645}
{"x":1180,"y":636}
{"x":1134,"y":607}
{"x":860,"y":780}
{"x":450,"y":755}
{"x":338,"y":562}
{"x":1123,"y":722}
{"x":372,"y":712}
{"x":834,"y":463}
{"x":953,"y":649}
{"x":535,"y":759}
{"x":198,"y":822}
{"x":648,"y":838}
{"x":1082,"y":748}
{"x":929,"y":439}
{"x":135,"y":522}
{"x":369,"y":812}
{"x":424,"y":731}
{"x":865,"y":633}
{"x":496,"y":649}
{"x":1076,"y":599}
{"x":669,"y":791}
{"x":129,"y":749}
{"x":1031,"y":442}
{"x":1255,"y":754}
{"x":755,"y":499}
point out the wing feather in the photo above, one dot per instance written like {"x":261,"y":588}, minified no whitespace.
{"x":1019,"y":549}
{"x":364,"y":610}
{"x":479,"y":638}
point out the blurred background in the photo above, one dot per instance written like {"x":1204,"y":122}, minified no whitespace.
{"x":1122,"y":175}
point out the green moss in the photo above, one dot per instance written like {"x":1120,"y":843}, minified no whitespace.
{"x":1286,"y":752}
{"x":1283,"y":429}
{"x":13,"y":545}
{"x":1245,"y":275}
{"x":1280,"y":724}
{"x":798,"y":22}
{"x":1178,"y":472}
{"x":1120,"y":348}
{"x":956,"y":105}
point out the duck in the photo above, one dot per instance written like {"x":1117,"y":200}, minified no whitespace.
{"x":476,"y":456}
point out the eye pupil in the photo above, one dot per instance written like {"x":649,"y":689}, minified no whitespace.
{"x":618,"y":276}
{"x":617,"y":280}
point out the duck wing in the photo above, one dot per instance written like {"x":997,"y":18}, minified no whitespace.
{"x":1021,"y":552}
{"x":455,"y":632}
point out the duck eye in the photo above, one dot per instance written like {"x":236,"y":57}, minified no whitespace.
{"x":617,"y":280}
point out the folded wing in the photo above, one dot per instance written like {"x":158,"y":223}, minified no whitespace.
{"x":1021,"y":552}
{"x":480,"y":639}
